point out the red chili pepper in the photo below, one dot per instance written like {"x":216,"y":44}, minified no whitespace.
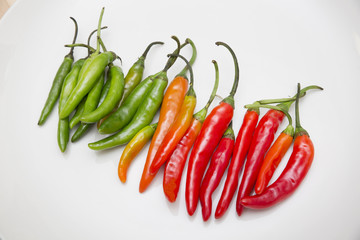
{"x":262,"y":139}
{"x":210,"y":134}
{"x":293,"y":174}
{"x":175,"y":165}
{"x":241,"y":148}
{"x":218,"y":164}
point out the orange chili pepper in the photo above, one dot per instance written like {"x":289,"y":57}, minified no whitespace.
{"x":171,"y":105}
{"x":133,"y":148}
{"x":179,"y":127}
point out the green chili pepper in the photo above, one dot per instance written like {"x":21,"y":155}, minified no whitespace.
{"x":135,"y":73}
{"x":68,"y":85}
{"x":90,"y":105}
{"x":77,"y":115}
{"x":93,"y":67}
{"x":116,"y":90}
{"x":55,"y":90}
{"x":123,"y":115}
{"x":144,"y":114}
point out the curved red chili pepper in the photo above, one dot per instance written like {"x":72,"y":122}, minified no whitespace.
{"x":218,"y":164}
{"x":294,"y":172}
{"x":210,"y":134}
{"x":241,"y":148}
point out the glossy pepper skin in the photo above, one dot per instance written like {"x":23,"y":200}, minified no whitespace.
{"x":292,"y":176}
{"x":173,"y":99}
{"x":69,"y":84}
{"x":91,"y":103}
{"x":294,"y":173}
{"x":178,"y":128}
{"x":143,"y":116}
{"x":132,"y":78}
{"x":58,"y":81}
{"x":87,"y":80}
{"x":113,"y":96}
{"x":175,"y":165}
{"x":133,"y":148}
{"x":241,"y":148}
{"x":210,"y":134}
{"x":261,"y":141}
{"x":218,"y":164}
{"x":272,"y":159}
{"x":123,"y":115}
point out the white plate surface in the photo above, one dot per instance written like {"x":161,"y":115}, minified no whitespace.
{"x":46,"y":194}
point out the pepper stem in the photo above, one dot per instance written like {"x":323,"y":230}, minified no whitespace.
{"x":191,"y":91}
{"x":71,"y":53}
{"x":148,"y":48}
{"x":278,"y":108}
{"x":236,"y":79}
{"x":192,"y":59}
{"x":286,"y":105}
{"x":98,"y":30}
{"x":80,"y":45}
{"x":91,"y":34}
{"x":172,"y":60}
{"x":216,"y":84}
{"x":298,"y":128}
{"x":200,"y":115}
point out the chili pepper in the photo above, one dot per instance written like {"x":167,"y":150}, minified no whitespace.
{"x":210,"y":134}
{"x":294,"y":173}
{"x":116,"y":89}
{"x":93,"y":67}
{"x":134,"y":76}
{"x":218,"y":164}
{"x":133,"y":148}
{"x":262,"y":139}
{"x":144,"y":114}
{"x":178,"y":128}
{"x":274,"y":155}
{"x":75,"y":119}
{"x":173,"y":99}
{"x":175,"y":165}
{"x":68,"y":85}
{"x":123,"y":115}
{"x":241,"y":148}
{"x":91,"y":103}
{"x":61,"y":73}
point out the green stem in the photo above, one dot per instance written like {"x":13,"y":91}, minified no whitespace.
{"x":99,"y":30}
{"x":191,"y":91}
{"x":91,"y":34}
{"x":192,"y":59}
{"x":71,"y":53}
{"x":236,"y":79}
{"x":216,"y":84}
{"x":278,"y":108}
{"x":80,"y":45}
{"x":148,"y":48}
{"x":172,"y":60}
{"x":102,"y":44}
{"x":286,"y":105}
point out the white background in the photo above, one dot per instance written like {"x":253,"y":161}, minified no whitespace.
{"x":46,"y":194}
